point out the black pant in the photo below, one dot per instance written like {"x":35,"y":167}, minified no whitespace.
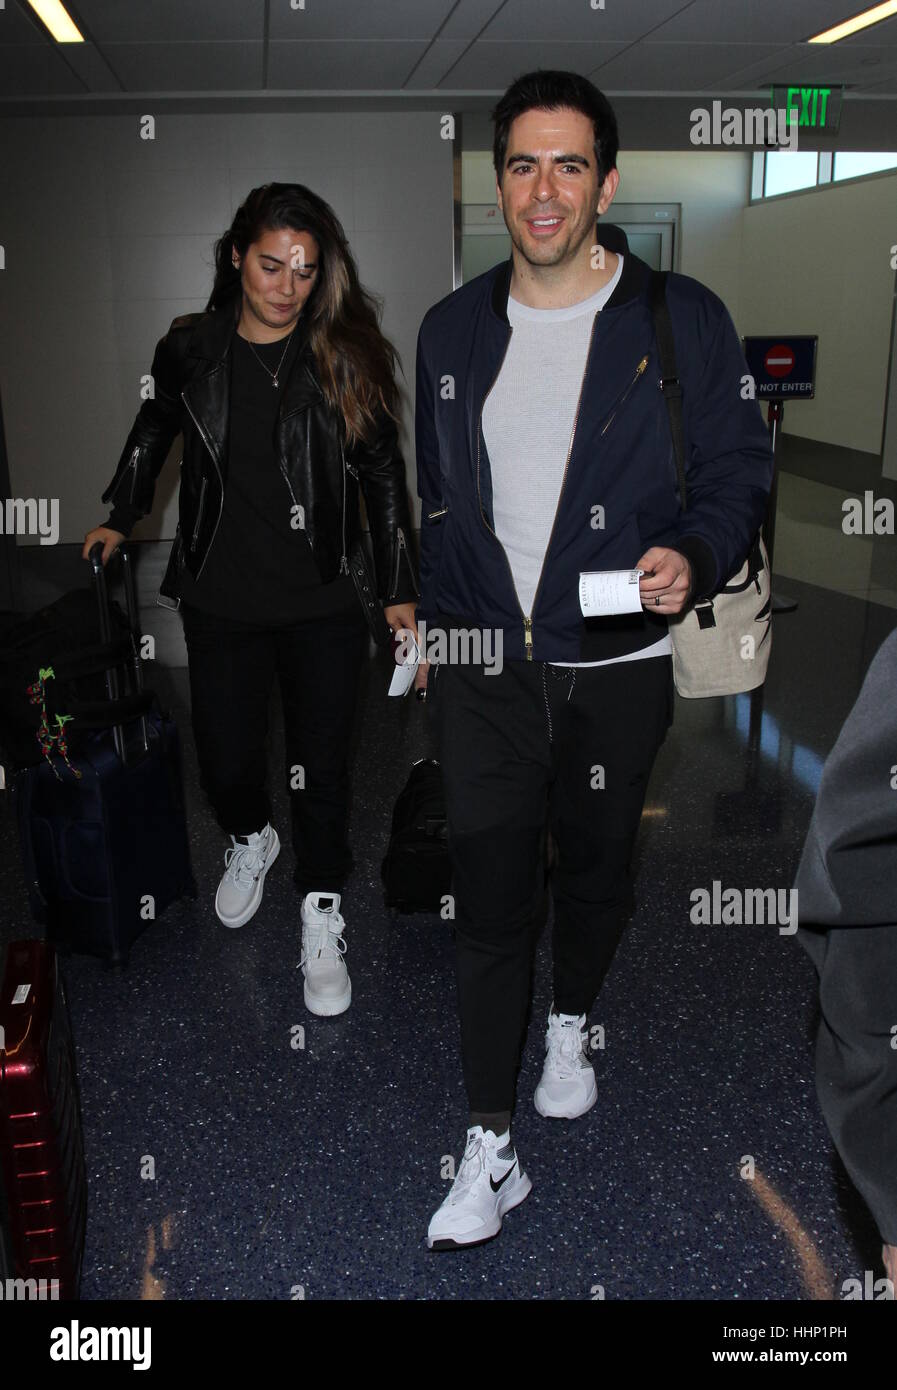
{"x":233,"y":667}
{"x":580,"y":744}
{"x":856,"y":1065}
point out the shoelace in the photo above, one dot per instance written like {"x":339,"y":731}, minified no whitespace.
{"x":242,"y":863}
{"x":564,"y":1049}
{"x":322,"y":936}
{"x":472,"y":1165}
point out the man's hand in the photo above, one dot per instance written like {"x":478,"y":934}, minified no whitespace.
{"x":667,"y":577}
{"x":111,"y":541}
{"x":402,"y":615}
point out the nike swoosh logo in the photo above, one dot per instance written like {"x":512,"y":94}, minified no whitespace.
{"x":501,"y":1182}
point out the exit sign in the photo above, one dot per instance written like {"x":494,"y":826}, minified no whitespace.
{"x":818,"y":108}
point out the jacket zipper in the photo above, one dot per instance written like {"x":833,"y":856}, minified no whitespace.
{"x":528,"y":617}
{"x":582,"y":384}
{"x":202,"y":502}
{"x":344,"y":560}
{"x":132,"y":464}
{"x":400,"y":546}
{"x":205,"y":439}
{"x":613,"y":415}
{"x":527,"y":622}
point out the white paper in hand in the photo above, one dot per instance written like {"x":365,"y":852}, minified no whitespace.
{"x":403,"y":675}
{"x":602,"y":593}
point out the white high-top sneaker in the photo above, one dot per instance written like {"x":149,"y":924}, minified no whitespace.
{"x":240,"y":890}
{"x":486,"y":1187}
{"x":328,"y":989}
{"x":567,"y":1087}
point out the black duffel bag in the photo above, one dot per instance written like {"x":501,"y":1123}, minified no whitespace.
{"x":416,"y":871}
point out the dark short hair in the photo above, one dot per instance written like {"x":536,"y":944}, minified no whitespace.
{"x":550,"y":89}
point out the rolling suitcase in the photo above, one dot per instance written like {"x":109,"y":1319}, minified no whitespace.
{"x":43,"y":1183}
{"x":416,"y":870}
{"x":103,"y":834}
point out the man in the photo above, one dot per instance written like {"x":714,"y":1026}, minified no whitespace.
{"x":544,"y":451}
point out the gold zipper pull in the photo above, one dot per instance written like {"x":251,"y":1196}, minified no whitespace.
{"x":528,"y":637}
{"x":638,"y":371}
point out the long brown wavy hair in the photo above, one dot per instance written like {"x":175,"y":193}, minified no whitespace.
{"x":356,"y":364}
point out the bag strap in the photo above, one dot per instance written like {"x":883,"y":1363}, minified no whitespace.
{"x":669,"y":376}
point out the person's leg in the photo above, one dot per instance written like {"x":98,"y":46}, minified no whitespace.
{"x":493,"y":749}
{"x":856,"y":1062}
{"x":606,"y":735}
{"x":231,"y":670}
{"x":319,"y":667}
{"x":494,"y":752}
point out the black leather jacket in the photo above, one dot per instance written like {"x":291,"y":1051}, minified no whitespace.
{"x":191,"y":378}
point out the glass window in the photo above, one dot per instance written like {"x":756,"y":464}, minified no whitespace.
{"x":788,"y":170}
{"x":849,"y":165}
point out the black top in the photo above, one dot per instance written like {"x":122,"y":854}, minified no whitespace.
{"x":260,"y":568}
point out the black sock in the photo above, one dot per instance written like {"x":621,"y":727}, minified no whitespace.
{"x":496,"y":1120}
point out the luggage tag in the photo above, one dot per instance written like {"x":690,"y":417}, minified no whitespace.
{"x":604,"y":593}
{"x":403,"y":675}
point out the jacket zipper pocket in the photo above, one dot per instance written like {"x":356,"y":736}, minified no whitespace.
{"x":199,"y":512}
{"x":613,"y":415}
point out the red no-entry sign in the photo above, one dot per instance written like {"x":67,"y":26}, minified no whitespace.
{"x":779,"y":360}
{"x":783,"y":368}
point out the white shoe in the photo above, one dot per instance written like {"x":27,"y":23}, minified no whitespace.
{"x":567,"y":1087}
{"x":486,"y":1187}
{"x":328,"y":989}
{"x":240,"y":890}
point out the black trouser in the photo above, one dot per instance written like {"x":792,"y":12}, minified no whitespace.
{"x":233,"y":666}
{"x":580,"y":744}
{"x":856,"y":1065}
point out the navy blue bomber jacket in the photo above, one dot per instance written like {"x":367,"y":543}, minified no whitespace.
{"x":619,"y":495}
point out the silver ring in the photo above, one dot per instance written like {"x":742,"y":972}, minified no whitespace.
{"x":657,"y":601}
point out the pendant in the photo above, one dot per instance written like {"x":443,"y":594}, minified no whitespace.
{"x":274,"y":381}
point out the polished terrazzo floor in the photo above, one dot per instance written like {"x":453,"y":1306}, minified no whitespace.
{"x":278,"y":1166}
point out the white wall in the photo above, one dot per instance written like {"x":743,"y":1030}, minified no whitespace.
{"x":712,"y":186}
{"x":108,"y":237}
{"x":819,"y":262}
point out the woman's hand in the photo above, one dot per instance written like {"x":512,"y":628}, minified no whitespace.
{"x":111,"y":541}
{"x":401,"y":617}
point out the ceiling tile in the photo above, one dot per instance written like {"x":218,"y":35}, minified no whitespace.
{"x":488,"y":66}
{"x":172,"y":21}
{"x":341,"y":66}
{"x":185,"y":67}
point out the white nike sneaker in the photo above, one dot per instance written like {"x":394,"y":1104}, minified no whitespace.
{"x":240,"y":890}
{"x":486,"y":1187}
{"x":328,"y":989}
{"x":567,"y":1087}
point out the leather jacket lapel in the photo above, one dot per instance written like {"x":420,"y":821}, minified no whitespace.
{"x":206,"y":395}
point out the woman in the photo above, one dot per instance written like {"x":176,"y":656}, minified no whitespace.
{"x":285,"y":393}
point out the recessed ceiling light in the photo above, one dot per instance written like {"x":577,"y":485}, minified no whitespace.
{"x":55,"y":17}
{"x":859,"y":21}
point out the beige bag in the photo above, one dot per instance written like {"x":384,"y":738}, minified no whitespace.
{"x":721,"y":645}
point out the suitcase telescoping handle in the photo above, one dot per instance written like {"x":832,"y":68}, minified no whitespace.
{"x":95,"y":556}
